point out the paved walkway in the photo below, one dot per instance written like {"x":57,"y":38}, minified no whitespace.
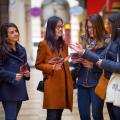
{"x":32,"y":109}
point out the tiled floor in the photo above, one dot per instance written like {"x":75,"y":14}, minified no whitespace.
{"x":32,"y":109}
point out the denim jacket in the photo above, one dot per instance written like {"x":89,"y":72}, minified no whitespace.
{"x":88,"y":77}
{"x":109,"y":63}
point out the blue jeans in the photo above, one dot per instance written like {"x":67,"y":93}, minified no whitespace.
{"x":11,"y":109}
{"x":87,"y":98}
{"x":114,"y":112}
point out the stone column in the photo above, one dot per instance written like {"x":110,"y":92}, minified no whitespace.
{"x":17,"y":16}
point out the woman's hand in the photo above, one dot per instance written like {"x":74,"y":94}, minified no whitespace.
{"x":26,"y":74}
{"x":57,"y":67}
{"x":75,"y":60}
{"x":99,"y":62}
{"x":77,"y":47}
{"x":56,"y":60}
{"x":19,"y":76}
{"x":87,"y":64}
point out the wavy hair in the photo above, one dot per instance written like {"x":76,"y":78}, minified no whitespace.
{"x":98,"y":26}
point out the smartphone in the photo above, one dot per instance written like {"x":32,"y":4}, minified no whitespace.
{"x":23,"y":68}
{"x":75,"y":55}
{"x":56,"y":60}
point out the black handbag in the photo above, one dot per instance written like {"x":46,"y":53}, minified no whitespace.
{"x":40,"y":86}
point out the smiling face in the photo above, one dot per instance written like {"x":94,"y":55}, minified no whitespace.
{"x":90,"y":29}
{"x":59,"y":29}
{"x":13,"y":35}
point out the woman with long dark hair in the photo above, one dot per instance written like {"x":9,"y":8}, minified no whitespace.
{"x":58,"y":87}
{"x":13,"y":65}
{"x":111,"y":64}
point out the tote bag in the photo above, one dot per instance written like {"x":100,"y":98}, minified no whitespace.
{"x":113,"y":89}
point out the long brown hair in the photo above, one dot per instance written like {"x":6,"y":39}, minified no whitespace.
{"x":98,"y":26}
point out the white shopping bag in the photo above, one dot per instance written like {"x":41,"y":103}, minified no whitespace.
{"x":113,"y":90}
{"x":110,"y":93}
{"x":116,"y":101}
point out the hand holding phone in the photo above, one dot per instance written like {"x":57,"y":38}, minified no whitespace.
{"x":23,"y":68}
{"x":75,"y":55}
{"x":56,"y":60}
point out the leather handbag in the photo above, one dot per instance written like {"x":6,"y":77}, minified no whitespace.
{"x":40,"y":86}
{"x":101,"y":87}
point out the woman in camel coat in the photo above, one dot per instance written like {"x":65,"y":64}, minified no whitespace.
{"x":58,"y":87}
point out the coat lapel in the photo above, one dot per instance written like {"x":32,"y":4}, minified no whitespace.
{"x":15,"y":57}
{"x":21,"y":54}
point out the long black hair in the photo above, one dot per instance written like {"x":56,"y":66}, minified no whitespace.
{"x":4,"y":44}
{"x":50,"y":36}
{"x":114,"y":18}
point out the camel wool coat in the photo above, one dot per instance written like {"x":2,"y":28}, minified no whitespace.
{"x":58,"y":91}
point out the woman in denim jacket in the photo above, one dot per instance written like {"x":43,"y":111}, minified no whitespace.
{"x":109,"y":64}
{"x":89,"y":73}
